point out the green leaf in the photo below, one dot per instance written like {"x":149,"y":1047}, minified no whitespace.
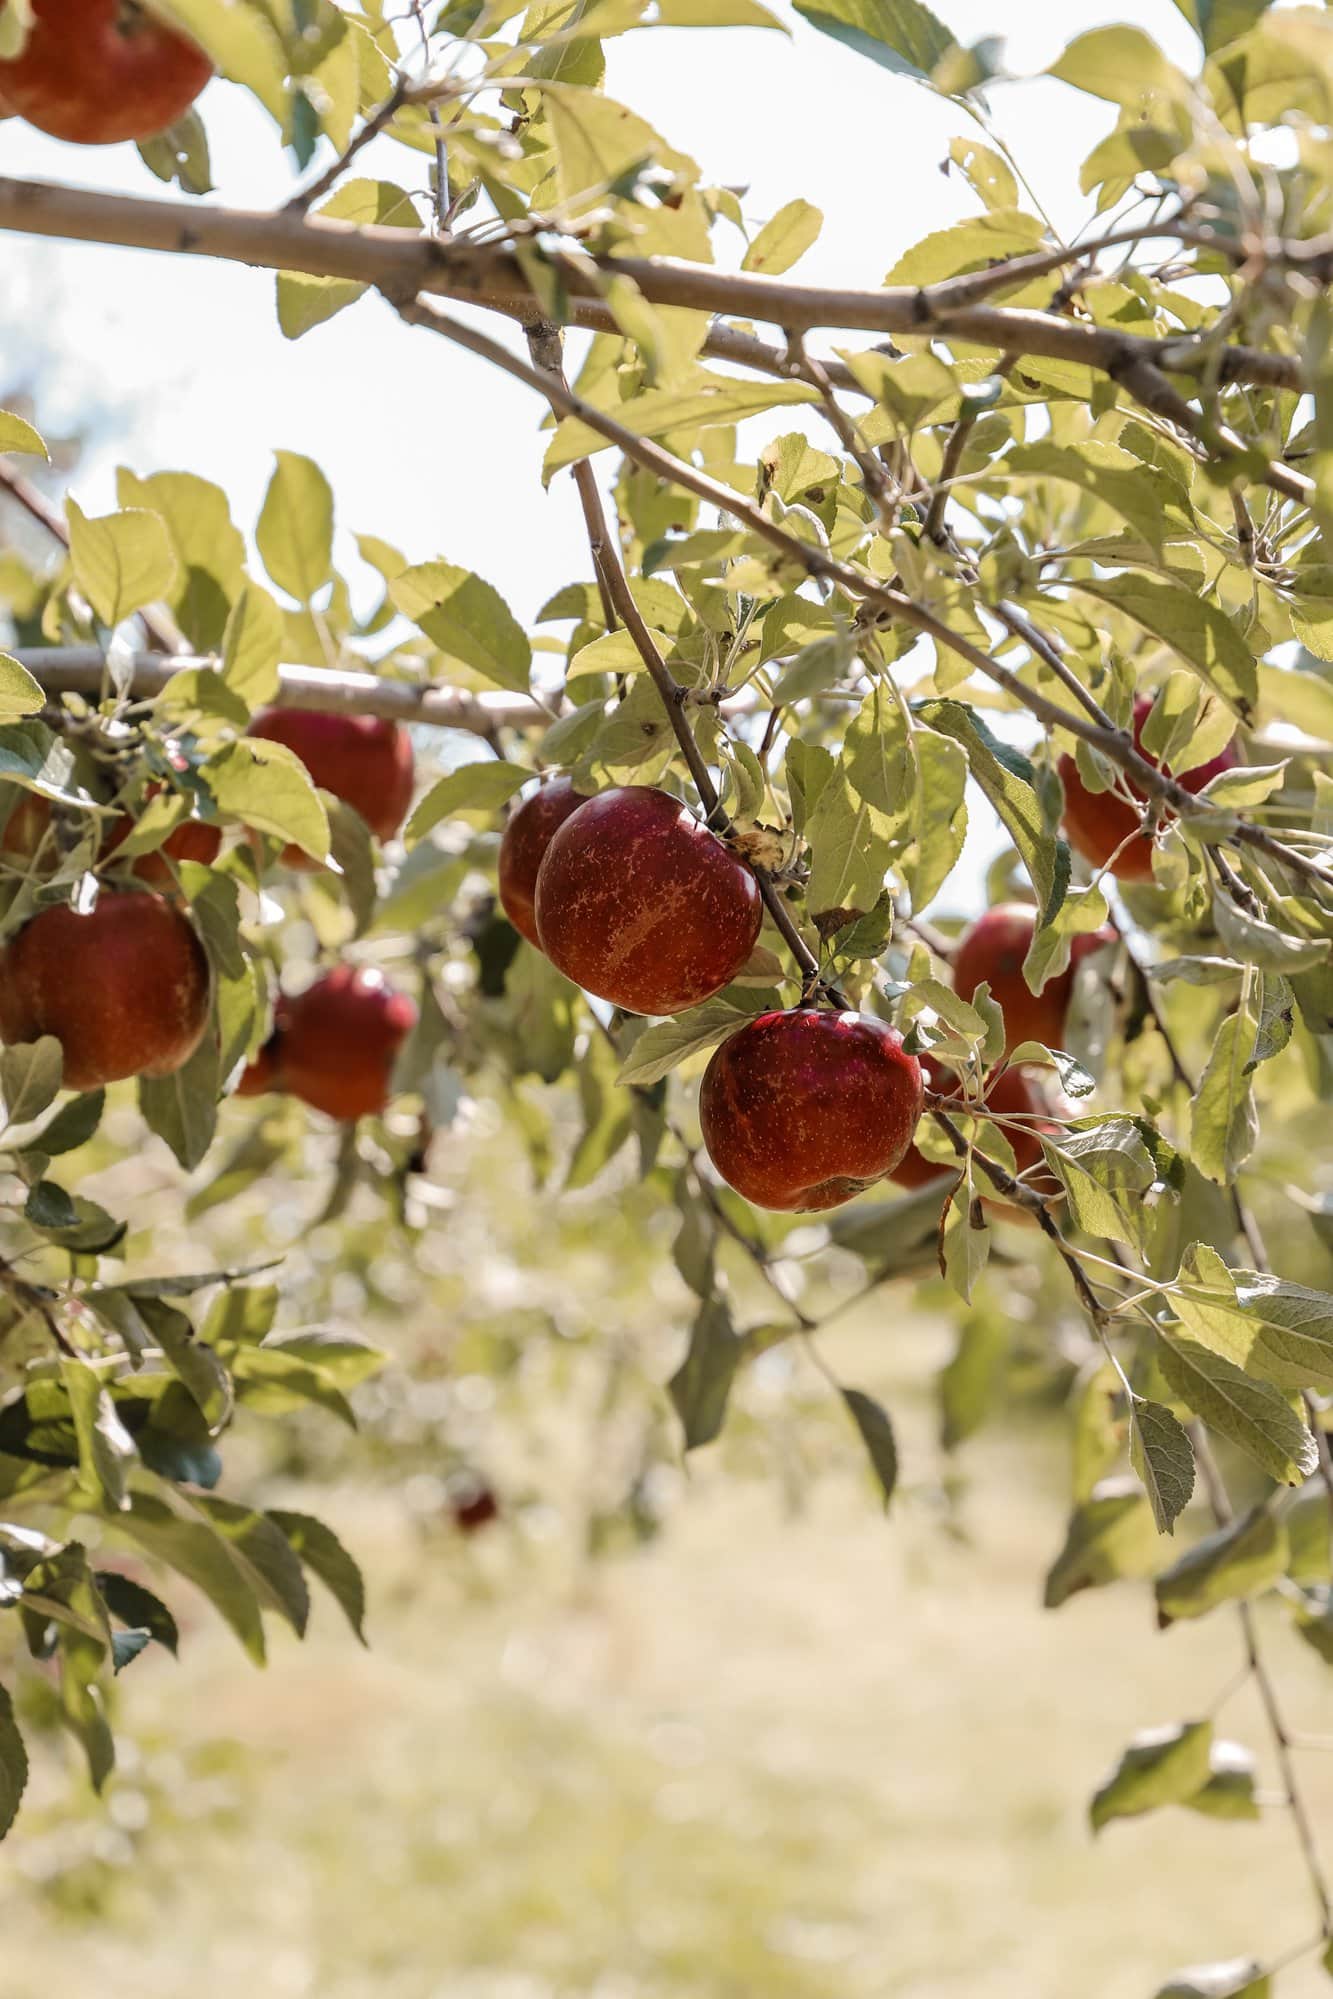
{"x":325,"y":1556}
{"x":1010,"y":782}
{"x":1194,"y":628}
{"x":1224,"y":1123}
{"x":13,"y":1764}
{"x":969,"y":245}
{"x":1252,"y":1414}
{"x":138,"y":1607}
{"x":964,"y":1236}
{"x":701,"y":1385}
{"x":1161,"y":1766}
{"x":901,"y":35}
{"x":295,"y":531}
{"x":467,"y":619}
{"x":48,"y":1206}
{"x":73,"y":1125}
{"x":1109,"y":474}
{"x":194,"y":1363}
{"x":252,"y":646}
{"x":1119,"y":63}
{"x":877,"y":1435}
{"x":191,"y":1547}
{"x":243,"y":44}
{"x":668,"y":1042}
{"x":106,"y":1448}
{"x":986,"y":173}
{"x":266,"y":785}
{"x":784,"y":239}
{"x":17,"y":434}
{"x":1111,"y":1536}
{"x":182,"y":1107}
{"x":481,"y":786}
{"x":120,"y":562}
{"x":1240,"y":1560}
{"x":264,"y":1555}
{"x":1162,"y":1455}
{"x":20,"y":693}
{"x":30,"y":1077}
{"x":1230,"y":1790}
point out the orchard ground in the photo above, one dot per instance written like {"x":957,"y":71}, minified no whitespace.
{"x":786,"y":1748}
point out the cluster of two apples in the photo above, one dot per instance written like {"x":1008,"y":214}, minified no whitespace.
{"x":635,"y":900}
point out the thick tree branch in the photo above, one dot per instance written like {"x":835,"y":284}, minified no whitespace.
{"x":400,"y":263}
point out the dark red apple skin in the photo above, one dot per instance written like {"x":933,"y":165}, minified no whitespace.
{"x":527,"y":835}
{"x":473,"y":1507}
{"x":338,"y":1041}
{"x":1097,"y":821}
{"x":124,"y":989}
{"x":366,"y":762}
{"x":262,"y":1073}
{"x":640,"y":904}
{"x":992,"y":951}
{"x":192,"y":840}
{"x":1013,"y":1093}
{"x":800,"y":1111}
{"x":99,"y":71}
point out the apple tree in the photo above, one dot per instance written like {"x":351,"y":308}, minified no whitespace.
{"x":1032,"y":533}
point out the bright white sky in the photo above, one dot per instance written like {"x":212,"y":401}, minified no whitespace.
{"x":179,"y":363}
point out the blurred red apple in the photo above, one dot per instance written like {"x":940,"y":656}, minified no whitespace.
{"x":366,"y":762}
{"x":336,"y":1043}
{"x":1097,"y":821}
{"x":523,"y":845}
{"x":98,"y":71}
{"x":992,"y":951}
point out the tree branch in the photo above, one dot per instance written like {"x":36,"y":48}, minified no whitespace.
{"x":80,"y":670}
{"x":398,"y":262}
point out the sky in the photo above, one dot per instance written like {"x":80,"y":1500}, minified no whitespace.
{"x":179,"y":364}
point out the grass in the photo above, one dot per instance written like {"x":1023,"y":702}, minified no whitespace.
{"x":785,"y":1750}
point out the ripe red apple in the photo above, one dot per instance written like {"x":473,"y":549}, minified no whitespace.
{"x":124,"y":989}
{"x":640,"y":904}
{"x":802,"y":1110}
{"x":1097,"y":821}
{"x":992,"y":951}
{"x":336,"y":1043}
{"x":364,"y":761}
{"x":98,"y":71}
{"x":523,"y":846}
{"x":192,"y":840}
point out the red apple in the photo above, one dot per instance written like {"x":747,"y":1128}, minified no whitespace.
{"x":98,"y":71}
{"x":992,"y":952}
{"x":192,"y":840}
{"x":523,"y":846}
{"x":338,"y":1040}
{"x":802,"y":1110}
{"x":124,"y":989}
{"x":1097,"y":821}
{"x":640,"y":904}
{"x":364,"y":761}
